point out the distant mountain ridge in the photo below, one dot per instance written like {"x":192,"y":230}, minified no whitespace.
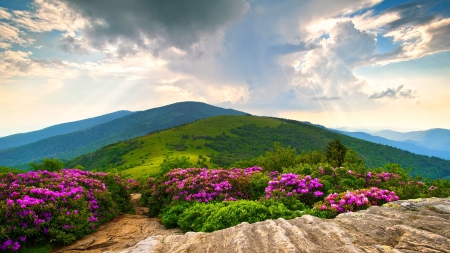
{"x":20,"y":139}
{"x":437,"y":138}
{"x":408,"y":146}
{"x":73,"y":144}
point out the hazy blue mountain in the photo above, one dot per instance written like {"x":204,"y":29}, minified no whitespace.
{"x":351,"y":129}
{"x":408,"y":146}
{"x":20,"y":139}
{"x":436,"y":139}
{"x":137,"y":124}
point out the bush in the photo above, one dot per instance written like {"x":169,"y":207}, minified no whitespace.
{"x":215,"y":216}
{"x":304,"y":188}
{"x":119,"y":193}
{"x":355,"y":200}
{"x":257,"y":186}
{"x":42,"y":206}
{"x":197,"y":185}
{"x":170,"y":216}
{"x":279,"y":158}
{"x":194,"y":218}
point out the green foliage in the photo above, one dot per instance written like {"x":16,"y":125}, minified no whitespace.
{"x":170,"y":216}
{"x":335,"y":152}
{"x":175,"y":162}
{"x":119,"y":193}
{"x":46,"y":248}
{"x":312,"y":157}
{"x":279,"y":158}
{"x":215,"y":216}
{"x":291,"y":203}
{"x":5,"y":169}
{"x":48,"y":165}
{"x":257,"y":186}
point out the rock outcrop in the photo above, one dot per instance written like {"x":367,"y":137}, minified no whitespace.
{"x":421,"y":225}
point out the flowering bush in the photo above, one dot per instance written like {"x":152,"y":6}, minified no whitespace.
{"x":56,"y":207}
{"x":356,"y":200}
{"x":210,"y":199}
{"x":287,"y":185}
{"x":199,"y":185}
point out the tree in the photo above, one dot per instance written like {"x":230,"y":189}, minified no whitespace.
{"x":335,"y":153}
{"x":48,"y":165}
{"x":279,"y":158}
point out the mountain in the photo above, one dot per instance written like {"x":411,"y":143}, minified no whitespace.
{"x":405,"y":145}
{"x":70,"y":145}
{"x":437,"y":139}
{"x":351,"y":129}
{"x":220,"y":141}
{"x":16,"y":140}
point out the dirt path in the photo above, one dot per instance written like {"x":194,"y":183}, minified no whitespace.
{"x":122,"y":232}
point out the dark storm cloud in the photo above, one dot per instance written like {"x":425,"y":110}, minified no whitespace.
{"x":394,"y":93}
{"x":412,"y":13}
{"x":70,"y":45}
{"x":168,"y":22}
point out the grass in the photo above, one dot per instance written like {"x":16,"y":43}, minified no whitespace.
{"x":146,"y":161}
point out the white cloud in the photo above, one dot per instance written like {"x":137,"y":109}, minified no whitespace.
{"x":19,"y":64}
{"x":49,"y":15}
{"x":418,"y":41}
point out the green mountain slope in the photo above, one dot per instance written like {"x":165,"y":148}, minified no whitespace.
{"x":219,"y":141}
{"x":16,"y":140}
{"x":70,"y":145}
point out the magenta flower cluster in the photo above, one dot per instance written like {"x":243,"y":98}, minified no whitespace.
{"x":356,"y":200}
{"x":287,"y":185}
{"x":204,"y":185}
{"x":46,"y":204}
{"x":375,"y":179}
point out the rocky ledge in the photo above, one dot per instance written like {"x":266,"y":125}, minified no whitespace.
{"x":421,"y":225}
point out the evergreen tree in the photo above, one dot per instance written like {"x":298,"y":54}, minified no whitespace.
{"x":335,"y":153}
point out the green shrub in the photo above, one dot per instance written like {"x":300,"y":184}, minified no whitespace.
{"x":215,"y":216}
{"x":257,"y":186}
{"x":194,"y":218}
{"x":235,"y":213}
{"x":170,"y":216}
{"x":119,"y":193}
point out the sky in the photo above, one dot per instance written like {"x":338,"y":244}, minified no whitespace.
{"x":368,"y":64}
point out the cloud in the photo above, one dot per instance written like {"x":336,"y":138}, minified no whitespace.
{"x":72,"y":45}
{"x":396,"y":93}
{"x":293,"y":48}
{"x":415,"y":13}
{"x":48,"y":15}
{"x":4,"y":14}
{"x":326,"y":73}
{"x":20,"y":64}
{"x":154,"y":25}
{"x":419,"y":30}
{"x":326,"y":98}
